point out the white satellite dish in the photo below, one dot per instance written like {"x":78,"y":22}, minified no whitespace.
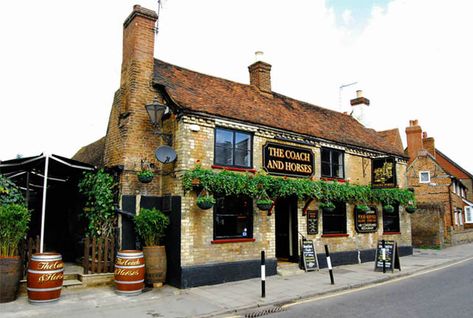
{"x":165,"y":154}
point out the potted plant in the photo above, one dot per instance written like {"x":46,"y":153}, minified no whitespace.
{"x":145,"y":176}
{"x":14,"y":220}
{"x":264,"y":204}
{"x":411,"y":208}
{"x":388,"y":208}
{"x":362,"y":207}
{"x":327,"y":206}
{"x":151,"y":224}
{"x":206,"y":201}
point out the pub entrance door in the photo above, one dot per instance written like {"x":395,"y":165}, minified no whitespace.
{"x":286,"y":229}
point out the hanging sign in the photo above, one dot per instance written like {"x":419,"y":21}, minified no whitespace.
{"x":366,"y":221}
{"x":287,"y":160}
{"x":383,"y":173}
{"x":312,"y":222}
{"x":309,"y":256}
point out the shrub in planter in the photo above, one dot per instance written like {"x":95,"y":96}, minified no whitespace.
{"x":410,"y":208}
{"x":151,"y":224}
{"x":145,"y":176}
{"x":327,"y":206}
{"x":388,"y":208}
{"x":14,"y":220}
{"x":206,"y":201}
{"x":264,"y":204}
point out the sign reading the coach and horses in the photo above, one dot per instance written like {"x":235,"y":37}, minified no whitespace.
{"x":366,"y":221}
{"x":287,"y":160}
{"x":383,"y":173}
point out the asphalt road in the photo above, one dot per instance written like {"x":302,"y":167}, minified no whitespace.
{"x":446,"y":293}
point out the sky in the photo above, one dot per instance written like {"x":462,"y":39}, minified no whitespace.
{"x":60,"y":62}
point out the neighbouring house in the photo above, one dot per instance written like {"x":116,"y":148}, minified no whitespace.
{"x":243,"y":128}
{"x":444,"y":193}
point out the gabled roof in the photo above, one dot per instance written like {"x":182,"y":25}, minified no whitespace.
{"x":451,"y":166}
{"x":202,"y":93}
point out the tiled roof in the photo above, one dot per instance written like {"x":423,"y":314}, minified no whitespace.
{"x":92,"y":153}
{"x":198,"y":92}
{"x":393,"y":137}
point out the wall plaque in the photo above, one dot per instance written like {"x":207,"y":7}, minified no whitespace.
{"x":287,"y":160}
{"x":383,"y":173}
{"x":366,"y":221}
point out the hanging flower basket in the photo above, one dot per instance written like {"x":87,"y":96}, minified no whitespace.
{"x":206,"y":201}
{"x":145,"y":176}
{"x":362,"y":207}
{"x":410,"y":209}
{"x":388,"y":208}
{"x":264,"y":204}
{"x":327,"y":207}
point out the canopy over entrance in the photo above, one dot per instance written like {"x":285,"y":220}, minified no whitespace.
{"x":36,"y":175}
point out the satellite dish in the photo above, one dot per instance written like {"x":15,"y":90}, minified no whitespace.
{"x":165,"y":154}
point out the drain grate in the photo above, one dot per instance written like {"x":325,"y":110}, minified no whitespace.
{"x":264,"y":312}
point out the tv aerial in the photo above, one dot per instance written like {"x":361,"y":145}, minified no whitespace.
{"x":165,"y":154}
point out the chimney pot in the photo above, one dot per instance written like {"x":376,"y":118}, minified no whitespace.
{"x":359,"y":93}
{"x":259,"y":56}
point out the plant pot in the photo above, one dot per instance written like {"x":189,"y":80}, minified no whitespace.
{"x":328,"y":210}
{"x":145,"y":179}
{"x":388,"y":209}
{"x":410,"y":209}
{"x":264,"y":206}
{"x":205,"y":205}
{"x":155,"y":264}
{"x":10,"y":275}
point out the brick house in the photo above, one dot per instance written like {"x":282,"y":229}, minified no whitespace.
{"x":227,"y":125}
{"x":443,"y":191}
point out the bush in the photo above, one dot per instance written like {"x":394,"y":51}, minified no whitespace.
{"x":14,"y":220}
{"x":9,"y":192}
{"x":151,"y":225}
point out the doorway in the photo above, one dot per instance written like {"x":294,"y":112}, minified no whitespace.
{"x":286,"y":229}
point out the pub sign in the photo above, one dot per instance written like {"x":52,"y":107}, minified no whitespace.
{"x":366,"y":221}
{"x":287,"y":160}
{"x":383,"y":173}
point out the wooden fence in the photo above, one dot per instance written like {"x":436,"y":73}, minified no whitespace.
{"x":99,"y":255}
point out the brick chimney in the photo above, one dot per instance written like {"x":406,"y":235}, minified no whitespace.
{"x":428,"y":144}
{"x":260,"y":74}
{"x":414,"y":139}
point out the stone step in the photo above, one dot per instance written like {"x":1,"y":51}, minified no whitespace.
{"x":288,"y":269}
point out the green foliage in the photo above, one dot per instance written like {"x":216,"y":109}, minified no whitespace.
{"x":14,"y":221}
{"x":150,"y":224}
{"x":204,"y":199}
{"x":327,"y":205}
{"x":145,"y":173}
{"x":264,"y":201}
{"x":9,"y":192}
{"x":362,"y":207}
{"x":98,"y":188}
{"x":233,"y":183}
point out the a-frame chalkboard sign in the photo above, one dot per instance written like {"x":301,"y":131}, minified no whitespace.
{"x":391,"y":261}
{"x":309,"y":256}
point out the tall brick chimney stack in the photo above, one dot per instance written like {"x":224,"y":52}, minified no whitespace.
{"x":260,"y":74}
{"x":429,"y":144}
{"x":414,"y":139}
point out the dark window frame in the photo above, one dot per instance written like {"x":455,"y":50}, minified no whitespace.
{"x":390,"y":218}
{"x":249,"y":214}
{"x":331,"y":163}
{"x":233,"y":131}
{"x":339,"y":212}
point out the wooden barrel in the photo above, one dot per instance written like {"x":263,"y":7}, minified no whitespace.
{"x":45,"y":277}
{"x":129,"y":272}
{"x":156,"y":265}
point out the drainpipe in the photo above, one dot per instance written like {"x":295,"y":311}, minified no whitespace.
{"x":450,"y":206}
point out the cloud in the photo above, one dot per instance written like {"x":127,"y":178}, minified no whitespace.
{"x":347,"y":17}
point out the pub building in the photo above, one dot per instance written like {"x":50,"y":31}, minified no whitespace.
{"x":244,"y":128}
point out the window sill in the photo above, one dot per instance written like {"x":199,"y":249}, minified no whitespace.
{"x":234,"y":168}
{"x":236,"y":240}
{"x":391,"y":233}
{"x":336,"y":235}
{"x":333,"y":179}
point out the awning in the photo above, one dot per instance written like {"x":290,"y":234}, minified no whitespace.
{"x":35,"y":172}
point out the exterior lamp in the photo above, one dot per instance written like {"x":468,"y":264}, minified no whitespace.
{"x":156,"y":111}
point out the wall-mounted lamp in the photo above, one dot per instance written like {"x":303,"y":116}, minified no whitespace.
{"x":156,"y":112}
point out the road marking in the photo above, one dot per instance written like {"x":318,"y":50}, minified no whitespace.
{"x":352,"y":290}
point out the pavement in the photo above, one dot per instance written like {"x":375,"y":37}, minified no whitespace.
{"x":242,"y":298}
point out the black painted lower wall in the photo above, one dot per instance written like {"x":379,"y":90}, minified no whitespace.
{"x":211,"y":274}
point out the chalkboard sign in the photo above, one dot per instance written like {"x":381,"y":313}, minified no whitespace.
{"x":312,"y":222}
{"x":309,"y":256}
{"x":392,"y":256}
{"x":366,"y":221}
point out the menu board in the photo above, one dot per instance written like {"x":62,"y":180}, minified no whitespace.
{"x":366,"y":221}
{"x":392,"y":256}
{"x":312,"y":222}
{"x":309,"y":256}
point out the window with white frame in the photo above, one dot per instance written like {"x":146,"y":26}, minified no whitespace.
{"x":455,"y":216}
{"x":468,"y":214}
{"x":460,"y":216}
{"x":424,"y":176}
